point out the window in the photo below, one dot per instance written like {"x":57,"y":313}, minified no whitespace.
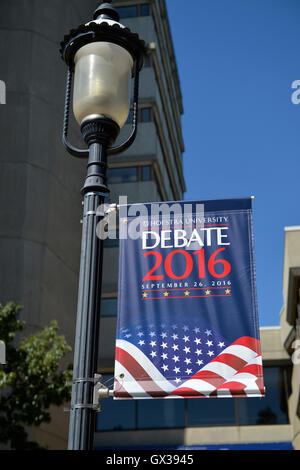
{"x":122,"y":175}
{"x":111,"y":242}
{"x":145,"y":115}
{"x":158,"y":414}
{"x":109,"y":306}
{"x":161,"y":414}
{"x":146,"y":173}
{"x":129,"y":174}
{"x":133,"y":11}
{"x":211,"y":412}
{"x":273,"y":408}
{"x":145,"y":9}
{"x":128,"y":12}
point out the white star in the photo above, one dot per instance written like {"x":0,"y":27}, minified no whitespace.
{"x":140,"y":334}
{"x":175,"y":347}
{"x":175,"y":358}
{"x":186,"y":350}
{"x":127,"y":336}
{"x":141,"y":342}
{"x":152,"y":343}
{"x":176,"y":370}
{"x":198,"y":352}
{"x":164,"y":345}
{"x":197,"y":341}
{"x":187,"y":361}
{"x":210,"y":353}
{"x":186,"y":338}
{"x":177,"y":380}
{"x":164,"y":356}
{"x":208,"y":332}
{"x":153,"y":354}
{"x":165,"y":367}
{"x":209,"y":343}
{"x":188,"y":371}
{"x":175,"y":336}
{"x":221,"y":345}
{"x":163,"y":335}
{"x":185,"y":328}
{"x":199,"y":362}
{"x":174,"y":327}
{"x":197,"y":330}
{"x":152,"y":334}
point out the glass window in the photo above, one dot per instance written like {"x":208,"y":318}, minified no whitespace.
{"x":128,"y":12}
{"x":122,"y":175}
{"x":147,"y":62}
{"x":145,"y":114}
{"x":211,"y":412}
{"x":146,"y":173}
{"x":116,"y":414}
{"x":160,"y":414}
{"x":272,"y":409}
{"x":109,"y":307}
{"x":111,"y":242}
{"x":145,"y":10}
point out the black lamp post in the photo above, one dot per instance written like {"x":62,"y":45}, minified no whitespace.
{"x":103,"y":55}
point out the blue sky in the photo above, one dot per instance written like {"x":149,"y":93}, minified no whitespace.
{"x":237,"y":60}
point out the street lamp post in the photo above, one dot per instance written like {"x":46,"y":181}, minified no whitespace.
{"x":102,"y":55}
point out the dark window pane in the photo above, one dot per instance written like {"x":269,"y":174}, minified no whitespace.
{"x":146,"y":173}
{"x":211,"y":412}
{"x":111,"y":242}
{"x":109,"y":307}
{"x":145,"y":9}
{"x":272,"y":409}
{"x":128,"y":12}
{"x":147,"y":62}
{"x":122,"y":175}
{"x":160,"y":413}
{"x":116,"y":414}
{"x":145,"y":114}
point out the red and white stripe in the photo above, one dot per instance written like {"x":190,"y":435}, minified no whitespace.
{"x":237,"y":371}
{"x":234,"y":371}
{"x":136,"y":376}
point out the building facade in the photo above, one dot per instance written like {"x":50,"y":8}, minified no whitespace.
{"x":290,"y":323}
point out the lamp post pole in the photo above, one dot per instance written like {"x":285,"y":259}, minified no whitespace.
{"x":98,"y":135}
{"x":98,"y":53}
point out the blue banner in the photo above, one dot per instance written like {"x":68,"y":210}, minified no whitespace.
{"x":187,"y":310}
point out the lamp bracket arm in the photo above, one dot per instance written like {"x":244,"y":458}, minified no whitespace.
{"x":125,"y":145}
{"x":75,"y":152}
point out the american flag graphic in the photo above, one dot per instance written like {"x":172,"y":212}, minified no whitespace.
{"x":183,"y":361}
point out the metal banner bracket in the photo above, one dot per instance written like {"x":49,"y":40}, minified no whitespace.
{"x":100,"y":391}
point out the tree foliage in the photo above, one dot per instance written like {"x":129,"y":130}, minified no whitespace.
{"x":32,"y":379}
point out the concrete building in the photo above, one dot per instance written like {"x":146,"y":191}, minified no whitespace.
{"x":290,"y":322}
{"x":40,"y":183}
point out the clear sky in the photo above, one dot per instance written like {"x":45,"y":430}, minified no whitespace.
{"x":237,"y":60}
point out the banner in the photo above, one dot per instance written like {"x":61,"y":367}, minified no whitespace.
{"x":187,"y":310}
